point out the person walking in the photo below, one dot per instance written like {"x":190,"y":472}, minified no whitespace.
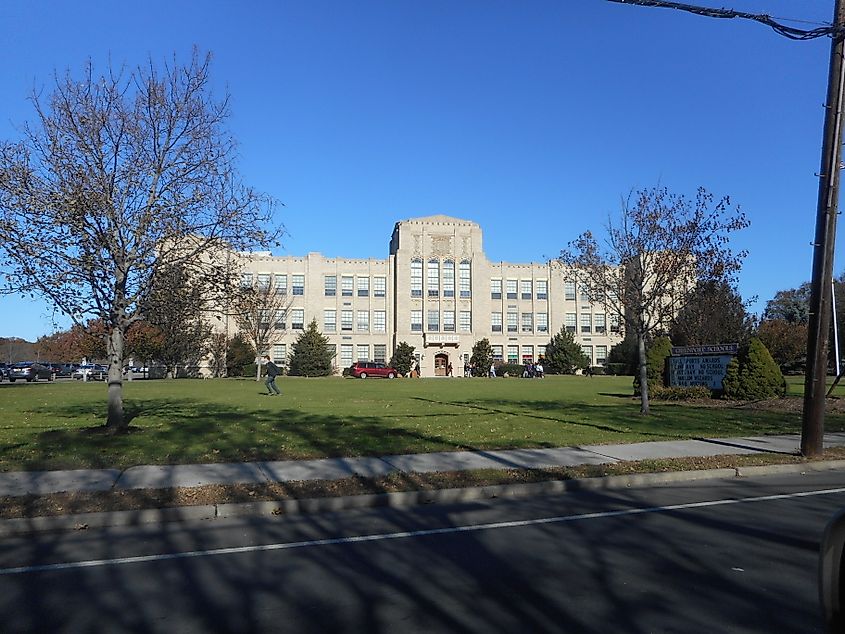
{"x":272,"y":371}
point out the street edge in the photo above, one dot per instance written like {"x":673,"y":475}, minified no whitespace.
{"x":208,"y":512}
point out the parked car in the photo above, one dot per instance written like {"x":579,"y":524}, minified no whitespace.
{"x":65,"y":369}
{"x":363,"y":369}
{"x":30,"y":371}
{"x":91,"y":372}
{"x":4,"y":371}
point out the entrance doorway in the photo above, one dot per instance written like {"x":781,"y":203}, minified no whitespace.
{"x":441,"y":360}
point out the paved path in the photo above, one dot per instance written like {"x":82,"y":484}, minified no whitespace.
{"x":168,"y":476}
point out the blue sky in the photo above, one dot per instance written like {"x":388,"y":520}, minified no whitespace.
{"x":533,"y":119}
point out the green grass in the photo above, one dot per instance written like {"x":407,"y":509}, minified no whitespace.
{"x":60,"y":425}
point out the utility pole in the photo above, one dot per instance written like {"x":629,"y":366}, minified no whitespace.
{"x":812,"y":428}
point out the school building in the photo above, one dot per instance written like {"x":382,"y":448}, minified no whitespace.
{"x":436,"y":291}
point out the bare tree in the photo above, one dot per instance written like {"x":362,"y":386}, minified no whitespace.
{"x":122,"y":174}
{"x":656,"y":251}
{"x":261,"y":312}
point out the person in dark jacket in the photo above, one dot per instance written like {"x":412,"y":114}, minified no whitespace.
{"x":272,"y":371}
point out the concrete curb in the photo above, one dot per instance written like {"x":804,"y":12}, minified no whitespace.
{"x":82,"y":521}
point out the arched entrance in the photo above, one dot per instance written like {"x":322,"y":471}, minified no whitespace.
{"x":441,"y":361}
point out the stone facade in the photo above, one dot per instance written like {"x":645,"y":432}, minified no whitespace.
{"x":438,"y":292}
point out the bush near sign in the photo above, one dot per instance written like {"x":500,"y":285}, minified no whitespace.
{"x":700,"y":365}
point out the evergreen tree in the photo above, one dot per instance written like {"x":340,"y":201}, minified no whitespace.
{"x":714,"y":314}
{"x":753,"y":374}
{"x":564,"y":355}
{"x":311,"y":353}
{"x":403,"y":358}
{"x":482,"y":357}
{"x":624,"y":354}
{"x":239,"y":353}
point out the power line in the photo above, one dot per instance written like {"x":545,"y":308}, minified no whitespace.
{"x":787,"y":31}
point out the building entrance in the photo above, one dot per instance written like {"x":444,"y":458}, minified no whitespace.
{"x":441,"y":360}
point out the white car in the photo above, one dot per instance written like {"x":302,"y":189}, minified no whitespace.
{"x":91,"y":372}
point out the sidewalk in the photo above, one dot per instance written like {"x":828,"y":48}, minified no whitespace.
{"x":15,"y":484}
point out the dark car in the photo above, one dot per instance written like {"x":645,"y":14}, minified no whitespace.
{"x":63,"y":369}
{"x":91,"y":372}
{"x":4,"y":371}
{"x":30,"y":371}
{"x":363,"y":369}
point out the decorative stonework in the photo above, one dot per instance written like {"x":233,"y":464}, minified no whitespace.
{"x":465,"y":248}
{"x":417,"y":244}
{"x":441,"y":245}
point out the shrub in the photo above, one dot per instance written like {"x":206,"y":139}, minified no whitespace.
{"x":753,"y":374}
{"x":512,"y":369}
{"x":403,"y":358}
{"x":681,"y":393}
{"x":597,"y":369}
{"x":563,"y":354}
{"x":615,"y":368}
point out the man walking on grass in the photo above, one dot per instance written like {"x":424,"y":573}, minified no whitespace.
{"x":272,"y":371}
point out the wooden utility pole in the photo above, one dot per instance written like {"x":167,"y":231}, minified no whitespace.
{"x":812,"y":429}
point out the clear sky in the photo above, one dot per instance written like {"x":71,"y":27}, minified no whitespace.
{"x":532,"y":119}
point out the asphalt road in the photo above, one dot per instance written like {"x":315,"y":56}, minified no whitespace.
{"x":715,"y":556}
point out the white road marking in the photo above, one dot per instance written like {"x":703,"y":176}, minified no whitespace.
{"x":119,"y":561}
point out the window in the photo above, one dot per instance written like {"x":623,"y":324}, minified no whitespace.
{"x":298,"y":284}
{"x":496,"y":322}
{"x":525,"y":289}
{"x":280,"y":283}
{"x":433,"y":321}
{"x":465,"y":321}
{"x":614,"y":323}
{"x":363,"y":350}
{"x":571,"y":323}
{"x":586,"y":322}
{"x":598,"y":320}
{"x":380,"y":353}
{"x":363,"y":287}
{"x":379,"y":287}
{"x":330,"y":320}
{"x":513,"y":321}
{"x":346,"y":321}
{"x":448,"y":278}
{"x":264,"y":318}
{"x":542,"y":322}
{"x":448,"y":321}
{"x":330,"y":285}
{"x":379,"y":321}
{"x":416,"y":321}
{"x":527,"y":322}
{"x":346,"y":282}
{"x":246,"y":280}
{"x":345,"y":355}
{"x":513,"y":354}
{"x":281,"y":316}
{"x":569,"y":291}
{"x":279,"y":353}
{"x":433,"y":283}
{"x":527,"y":354}
{"x":466,"y":280}
{"x":416,"y":278}
{"x":588,"y":352}
{"x":297,"y":319}
{"x":264,"y":282}
{"x":511,"y":288}
{"x":495,"y":289}
{"x":601,"y":355}
{"x":332,"y":348}
{"x":363,"y":321}
{"x":541,"y":352}
{"x":584,"y":295}
{"x":542,"y":289}
{"x":497,"y":353}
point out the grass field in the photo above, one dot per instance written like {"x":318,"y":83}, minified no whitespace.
{"x":59,"y":425}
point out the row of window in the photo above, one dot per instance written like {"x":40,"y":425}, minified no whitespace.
{"x":348,"y":353}
{"x":591,"y":323}
{"x":519,"y":289}
{"x":350,"y":285}
{"x":440,"y":280}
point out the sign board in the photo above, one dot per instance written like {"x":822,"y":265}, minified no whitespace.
{"x":441,"y":338}
{"x":722,"y":348}
{"x":707,"y":370}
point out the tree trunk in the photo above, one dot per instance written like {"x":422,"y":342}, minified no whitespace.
{"x":115,"y":420}
{"x":643,"y":363}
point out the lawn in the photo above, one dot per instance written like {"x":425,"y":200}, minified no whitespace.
{"x":59,"y":425}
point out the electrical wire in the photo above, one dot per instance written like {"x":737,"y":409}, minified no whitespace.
{"x":787,"y":31}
